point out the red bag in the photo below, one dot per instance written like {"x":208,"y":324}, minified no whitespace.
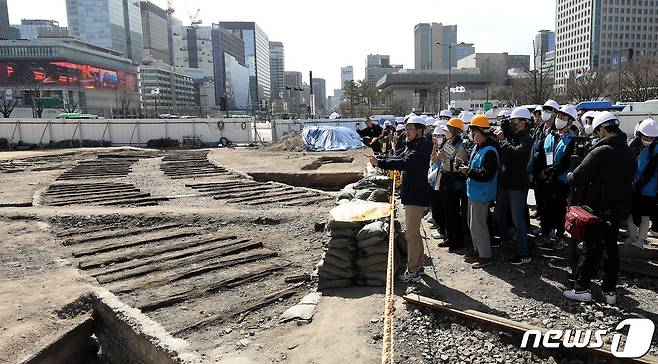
{"x":578,"y":218}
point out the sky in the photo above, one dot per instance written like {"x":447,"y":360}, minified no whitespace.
{"x":323,"y":36}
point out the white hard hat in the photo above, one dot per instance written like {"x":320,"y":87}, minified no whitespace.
{"x":604,"y":117}
{"x":553,"y":104}
{"x":505,"y":113}
{"x":399,"y":120}
{"x":588,"y":114}
{"x":387,"y":123}
{"x":416,"y":120}
{"x":445,"y":114}
{"x":648,"y":127}
{"x":520,"y":113}
{"x":408,"y":116}
{"x":538,"y":108}
{"x":466,"y":118}
{"x":569,"y":110}
{"x":439,"y":130}
{"x":399,"y":127}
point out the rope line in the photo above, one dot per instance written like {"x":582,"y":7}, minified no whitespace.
{"x":389,"y":304}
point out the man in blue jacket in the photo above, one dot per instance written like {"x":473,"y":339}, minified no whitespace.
{"x":414,"y":163}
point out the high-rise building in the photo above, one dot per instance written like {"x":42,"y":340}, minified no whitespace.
{"x":5,"y":31}
{"x":294,"y":94}
{"x":193,"y":56}
{"x":30,"y":28}
{"x":544,"y":43}
{"x":277,"y":70}
{"x":257,"y":59}
{"x":346,"y":74}
{"x":459,"y":51}
{"x":494,"y":66}
{"x":155,"y":32}
{"x":600,"y":33}
{"x":428,"y":55}
{"x":377,"y":66}
{"x":320,"y":94}
{"x":231,"y":72}
{"x":176,"y":90}
{"x":115,"y":24}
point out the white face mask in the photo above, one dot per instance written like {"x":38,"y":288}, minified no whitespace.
{"x":588,"y":129}
{"x":646,"y":143}
{"x":560,"y":124}
{"x":545,"y":115}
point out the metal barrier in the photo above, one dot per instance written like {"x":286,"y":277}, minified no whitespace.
{"x":121,"y":132}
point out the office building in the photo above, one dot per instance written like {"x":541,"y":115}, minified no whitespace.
{"x":346,"y":74}
{"x":377,"y":66}
{"x":5,"y":28}
{"x":320,"y":95}
{"x":277,"y":70}
{"x":176,"y":93}
{"x":115,"y":24}
{"x":294,"y":92}
{"x":99,"y":80}
{"x":601,"y":33}
{"x":428,"y":55}
{"x":30,"y":28}
{"x":230,"y":70}
{"x":544,"y":43}
{"x":155,"y":32}
{"x":495,"y":66}
{"x":257,"y":59}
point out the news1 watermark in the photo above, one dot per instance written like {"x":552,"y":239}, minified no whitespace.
{"x":636,"y":345}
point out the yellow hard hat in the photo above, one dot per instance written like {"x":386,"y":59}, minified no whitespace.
{"x":481,"y":121}
{"x":457,"y":123}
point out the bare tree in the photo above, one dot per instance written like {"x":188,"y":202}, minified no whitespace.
{"x":639,"y":80}
{"x":512,"y":95}
{"x":8,"y":101}
{"x":124,"y":102}
{"x":538,"y":83}
{"x":593,"y":85}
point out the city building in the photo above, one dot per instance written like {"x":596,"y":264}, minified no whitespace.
{"x":426,"y":90}
{"x":98,"y":80}
{"x":277,"y":70}
{"x":30,"y":28}
{"x":460,"y":51}
{"x":544,"y":43}
{"x":294,"y":92}
{"x":257,"y":59}
{"x":594,"y":34}
{"x":193,"y":56}
{"x":115,"y":24}
{"x":320,"y":95}
{"x":231,"y":72}
{"x":5,"y":28}
{"x":346,"y":74}
{"x":155,"y":32}
{"x":53,"y":32}
{"x":548,"y":66}
{"x":377,"y":66}
{"x":495,"y":66}
{"x":175,"y":91}
{"x":14,"y":33}
{"x":428,"y":55}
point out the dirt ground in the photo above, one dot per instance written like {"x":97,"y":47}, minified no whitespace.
{"x":215,"y":240}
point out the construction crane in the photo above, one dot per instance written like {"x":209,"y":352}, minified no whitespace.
{"x":194,"y":20}
{"x":170,"y":9}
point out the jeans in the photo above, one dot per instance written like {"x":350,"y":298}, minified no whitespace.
{"x":514,"y":200}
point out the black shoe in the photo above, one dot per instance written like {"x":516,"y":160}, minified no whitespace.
{"x":455,"y":248}
{"x":517,"y":260}
{"x":496,"y":242}
{"x":443,"y":244}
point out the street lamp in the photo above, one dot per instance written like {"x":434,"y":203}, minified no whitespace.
{"x":449,"y":63}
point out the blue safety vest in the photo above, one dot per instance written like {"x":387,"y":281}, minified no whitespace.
{"x":483,"y":192}
{"x":558,"y":147}
{"x":650,"y":188}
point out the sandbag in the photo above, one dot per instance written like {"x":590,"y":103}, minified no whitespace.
{"x":377,"y":228}
{"x":331,"y":269}
{"x":341,"y":253}
{"x":334,"y":225}
{"x":378,"y":195}
{"x":372,"y":259}
{"x":378,"y":276}
{"x":343,"y":233}
{"x":380,"y":181}
{"x":346,"y":194}
{"x":340,"y":243}
{"x":361,"y":281}
{"x":335,"y":283}
{"x":363,"y":194}
{"x":379,"y":267}
{"x":338,"y":262}
{"x":375,"y":240}
{"x":374,"y":249}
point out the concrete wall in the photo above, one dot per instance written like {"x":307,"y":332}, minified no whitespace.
{"x":126,"y":132}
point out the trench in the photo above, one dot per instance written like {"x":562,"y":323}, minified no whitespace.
{"x":333,"y":181}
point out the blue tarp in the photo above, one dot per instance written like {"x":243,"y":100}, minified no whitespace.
{"x":331,"y":138}
{"x":598,"y":106}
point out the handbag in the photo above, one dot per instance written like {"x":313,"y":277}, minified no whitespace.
{"x":578,"y":219}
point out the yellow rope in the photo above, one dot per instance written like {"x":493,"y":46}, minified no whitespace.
{"x":387,"y":344}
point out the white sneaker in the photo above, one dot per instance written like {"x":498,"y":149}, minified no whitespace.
{"x":437,"y":235}
{"x":610,"y":298}
{"x":415,"y":276}
{"x":653,"y":234}
{"x":582,"y":296}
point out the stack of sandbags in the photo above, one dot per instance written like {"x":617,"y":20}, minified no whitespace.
{"x":372,"y":253}
{"x":371,"y":188}
{"x":338,"y":266}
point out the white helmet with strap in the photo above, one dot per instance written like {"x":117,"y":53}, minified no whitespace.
{"x":604,"y":117}
{"x":648,"y":127}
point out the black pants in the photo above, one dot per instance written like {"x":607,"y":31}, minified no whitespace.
{"x":539,"y":197}
{"x":438,"y":214}
{"x":451,"y":202}
{"x":555,"y":203}
{"x":599,"y":238}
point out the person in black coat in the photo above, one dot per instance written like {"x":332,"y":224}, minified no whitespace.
{"x":607,"y":174}
{"x":370,"y":135}
{"x":414,"y":163}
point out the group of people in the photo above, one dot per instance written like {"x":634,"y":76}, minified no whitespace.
{"x":474,"y":175}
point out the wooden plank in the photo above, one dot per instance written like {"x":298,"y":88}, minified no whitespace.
{"x":121,"y":233}
{"x":236,"y":188}
{"x":100,"y":198}
{"x":99,"y":192}
{"x":250,"y":193}
{"x":282,"y":198}
{"x":63,"y":234}
{"x":191,"y":272}
{"x":219,"y":183}
{"x":285,"y":192}
{"x":506,"y":324}
{"x":128,"y":244}
{"x":146,"y":201}
{"x":158,"y":263}
{"x":136,"y":267}
{"x":309,"y":201}
{"x":132,"y":255}
{"x":201,"y":291}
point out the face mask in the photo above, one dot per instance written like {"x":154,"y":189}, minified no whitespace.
{"x":545,"y":115}
{"x":439,"y":140}
{"x":588,"y":129}
{"x":560,"y":124}
{"x":646,"y":143}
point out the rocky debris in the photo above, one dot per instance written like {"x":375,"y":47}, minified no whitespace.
{"x":291,"y":142}
{"x":304,"y":310}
